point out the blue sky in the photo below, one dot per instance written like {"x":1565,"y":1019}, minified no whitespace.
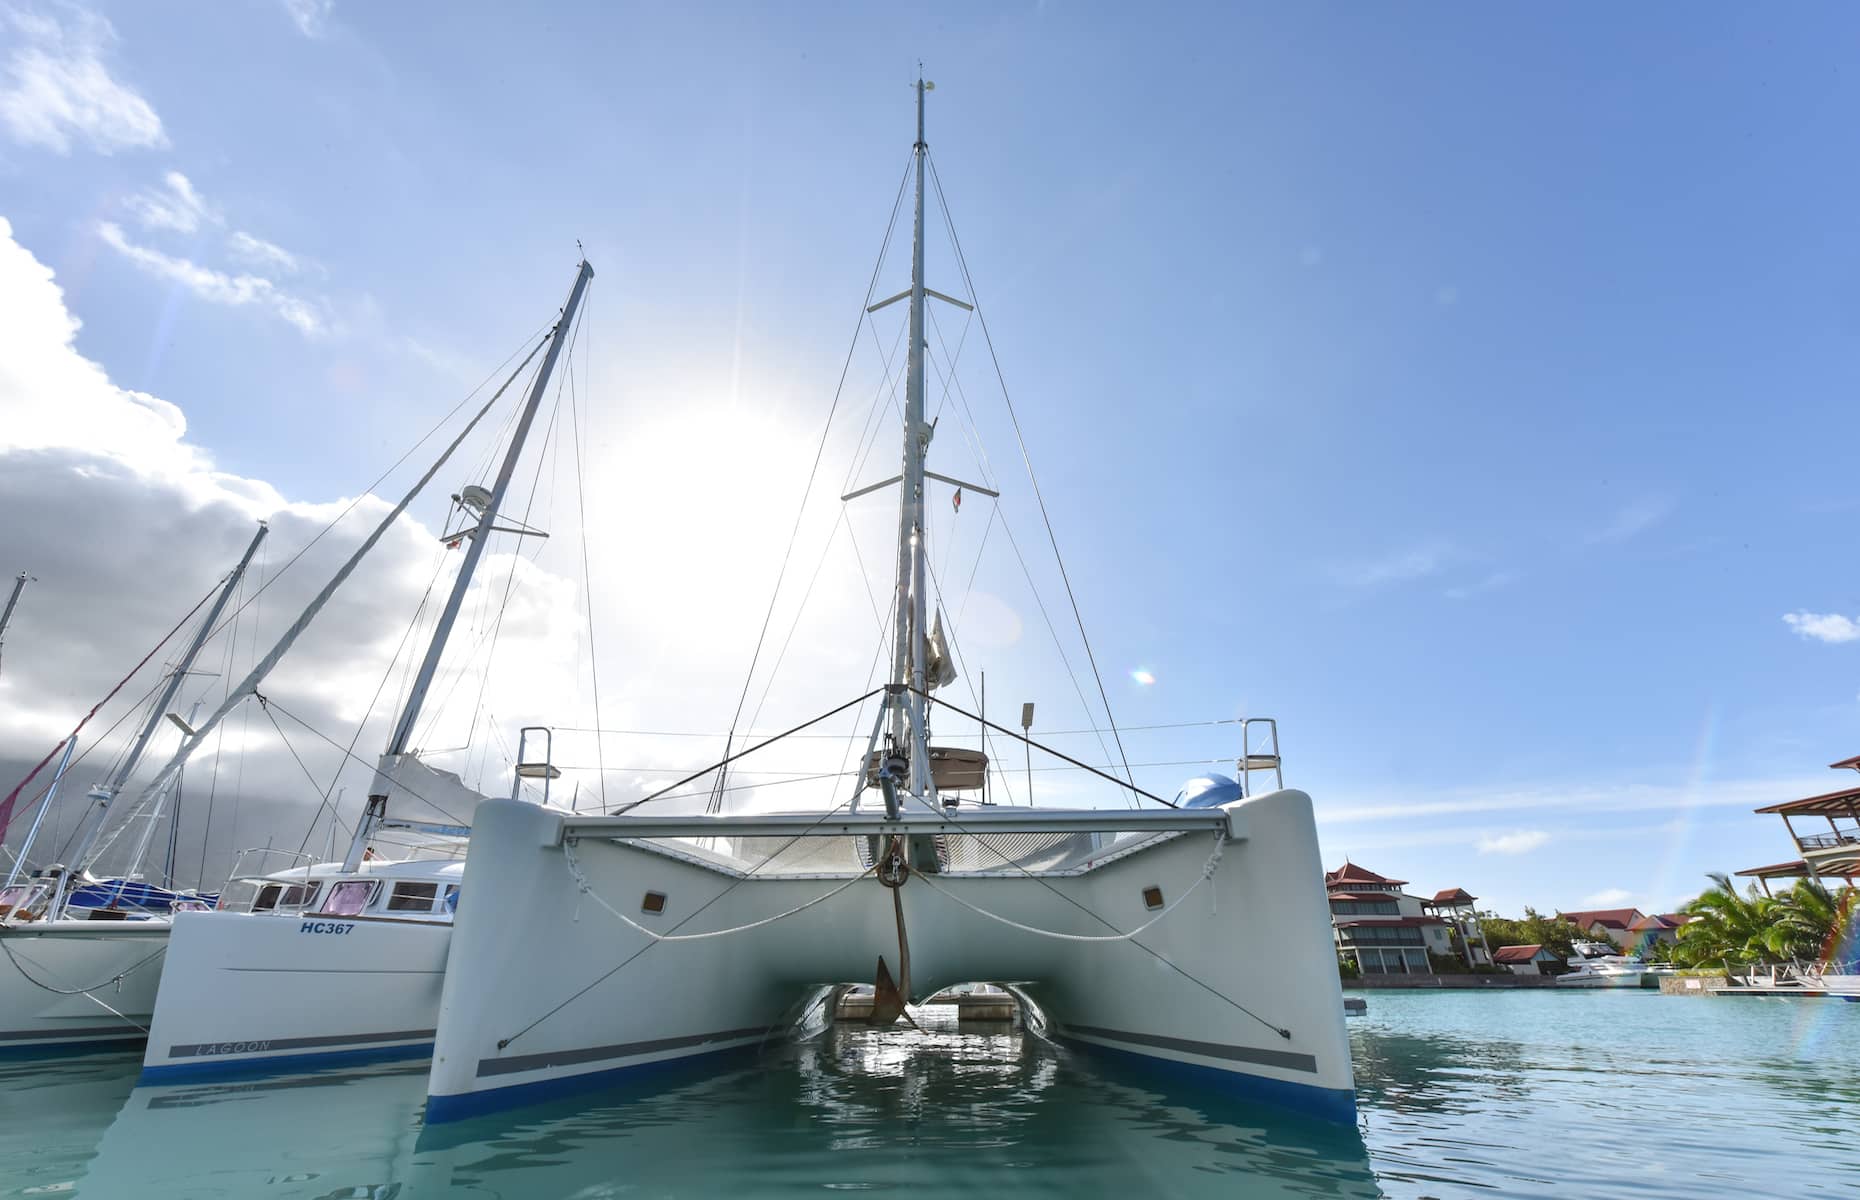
{"x":1468,"y":389}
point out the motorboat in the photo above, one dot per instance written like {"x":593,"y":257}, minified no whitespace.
{"x":1602,"y":965}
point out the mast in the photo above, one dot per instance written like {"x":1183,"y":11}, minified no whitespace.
{"x":911,"y":649}
{"x":104,"y":796}
{"x":479,"y":536}
{"x":19,"y":585}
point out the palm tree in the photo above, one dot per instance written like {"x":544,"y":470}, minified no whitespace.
{"x":1811,"y":921}
{"x":1727,"y":923}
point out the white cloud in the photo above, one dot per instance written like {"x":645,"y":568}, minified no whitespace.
{"x":138,"y":430}
{"x":126,"y":525}
{"x":216,"y":287}
{"x":175,"y":205}
{"x":1492,"y":582}
{"x":1605,"y":799}
{"x":1634,"y":519}
{"x":310,"y":16}
{"x":1824,"y":627}
{"x":55,"y":88}
{"x":1608,"y":898}
{"x":1521,"y":842}
{"x":1402,"y":566}
{"x":257,"y":252}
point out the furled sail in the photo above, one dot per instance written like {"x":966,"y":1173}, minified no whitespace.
{"x":940,"y":670}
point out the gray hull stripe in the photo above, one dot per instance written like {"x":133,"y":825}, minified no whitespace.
{"x":266,"y":1045}
{"x":55,"y":1034}
{"x":1265,"y":1058}
{"x":570,"y":1058}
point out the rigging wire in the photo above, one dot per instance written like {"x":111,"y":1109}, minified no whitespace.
{"x":581,"y":506}
{"x":963,"y":262}
{"x":245,"y":721}
{"x":814,"y":470}
{"x":434,"y":712}
{"x":369,"y":490}
{"x":367,"y":713}
{"x":337,"y":746}
{"x":7,"y":806}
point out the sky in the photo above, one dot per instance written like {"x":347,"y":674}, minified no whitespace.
{"x":1467,"y":389}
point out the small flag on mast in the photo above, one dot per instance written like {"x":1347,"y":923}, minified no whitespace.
{"x":956,"y":500}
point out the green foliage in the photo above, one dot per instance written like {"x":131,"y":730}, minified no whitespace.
{"x":1346,"y":968}
{"x":1805,"y":924}
{"x":1534,"y":929}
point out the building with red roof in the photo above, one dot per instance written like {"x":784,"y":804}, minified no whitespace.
{"x":1527,"y":960}
{"x":1607,"y":924}
{"x":1386,"y":931}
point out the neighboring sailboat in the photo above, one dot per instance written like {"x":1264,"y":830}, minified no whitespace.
{"x":1195,"y":938}
{"x":81,"y":957}
{"x":336,"y":962}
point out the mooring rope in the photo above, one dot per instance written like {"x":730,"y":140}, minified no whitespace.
{"x":1207,"y":873}
{"x":88,"y":993}
{"x":587,"y":889}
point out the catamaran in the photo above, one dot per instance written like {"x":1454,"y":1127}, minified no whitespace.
{"x":1191,"y":935}
{"x":323,"y":963}
{"x":81,"y":956}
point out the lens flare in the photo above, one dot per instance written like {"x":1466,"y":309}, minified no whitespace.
{"x":1143,"y":676}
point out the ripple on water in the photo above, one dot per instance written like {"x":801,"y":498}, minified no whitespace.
{"x":1462,"y":1094}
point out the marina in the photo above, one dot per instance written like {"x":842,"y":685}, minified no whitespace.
{"x":473,"y":724}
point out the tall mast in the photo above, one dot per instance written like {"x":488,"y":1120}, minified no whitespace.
{"x":478,"y":537}
{"x":104,"y":797}
{"x":19,"y":584}
{"x":911,"y":648}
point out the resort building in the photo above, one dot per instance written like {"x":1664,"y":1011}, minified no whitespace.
{"x":1829,"y":857}
{"x":1385,"y":931}
{"x":1605,"y":924}
{"x":1455,"y":907}
{"x":1528,"y":960}
{"x":1630,"y":929}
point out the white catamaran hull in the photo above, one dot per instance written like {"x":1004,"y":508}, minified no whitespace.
{"x":75,"y":983}
{"x":546,"y":992}
{"x":249,"y":992}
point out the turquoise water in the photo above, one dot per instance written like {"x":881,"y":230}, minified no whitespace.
{"x":1595,"y":1094}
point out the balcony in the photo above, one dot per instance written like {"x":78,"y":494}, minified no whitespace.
{"x":1828,"y":841}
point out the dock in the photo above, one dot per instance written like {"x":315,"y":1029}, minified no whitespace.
{"x":981,"y":1004}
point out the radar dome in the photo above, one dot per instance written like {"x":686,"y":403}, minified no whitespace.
{"x":1208,"y":791}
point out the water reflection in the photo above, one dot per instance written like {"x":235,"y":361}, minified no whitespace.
{"x":934,"y":1114}
{"x":1461,"y":1095}
{"x":52,"y":1113}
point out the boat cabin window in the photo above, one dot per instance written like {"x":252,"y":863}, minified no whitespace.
{"x":297,"y":895}
{"x":267,"y":897}
{"x":238,"y":895}
{"x":413,"y":897}
{"x":21,"y":900}
{"x":348,"y":898}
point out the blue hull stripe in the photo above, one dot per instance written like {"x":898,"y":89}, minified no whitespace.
{"x":1329,"y":1104}
{"x":227,"y":1068}
{"x":517,"y":1064}
{"x":444,"y":1109}
{"x":1283,"y":1059}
